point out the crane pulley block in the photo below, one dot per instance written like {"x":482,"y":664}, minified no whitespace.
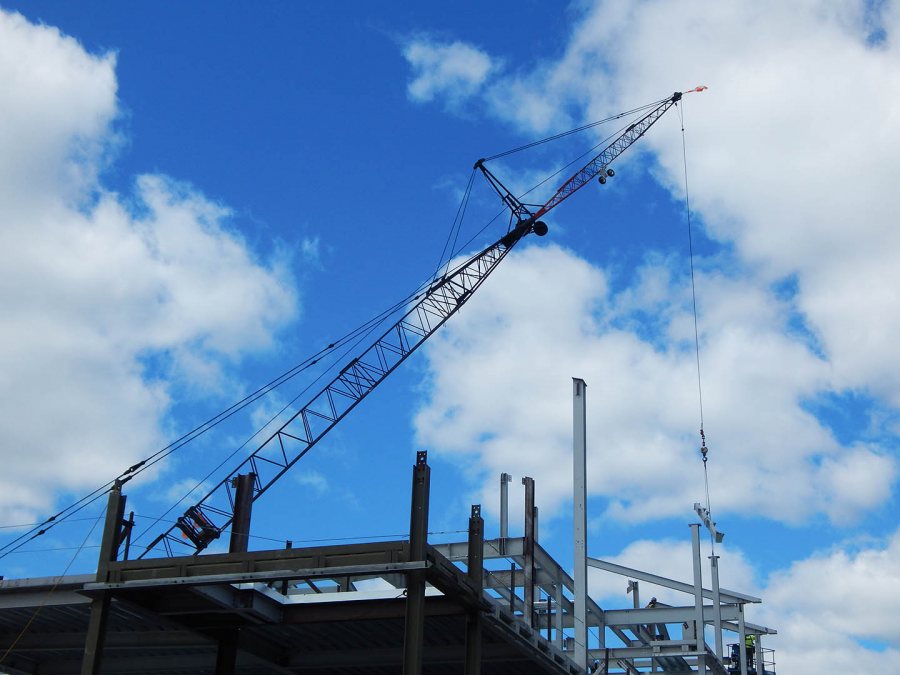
{"x":198,"y":528}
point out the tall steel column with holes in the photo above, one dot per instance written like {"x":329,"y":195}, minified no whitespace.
{"x":579,"y":498}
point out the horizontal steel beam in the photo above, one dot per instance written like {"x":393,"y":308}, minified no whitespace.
{"x":459,"y":551}
{"x":648,"y":615}
{"x":259,"y":561}
{"x":273,"y":575}
{"x":724,"y":594}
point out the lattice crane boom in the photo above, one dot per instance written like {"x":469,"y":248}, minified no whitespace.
{"x":205,"y":521}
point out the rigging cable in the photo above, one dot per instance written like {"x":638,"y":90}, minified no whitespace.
{"x":454,"y":230}
{"x":41,"y":528}
{"x":56,"y":583}
{"x":704,"y":450}
{"x":555,"y":173}
{"x":361,"y":332}
{"x":563,"y":134}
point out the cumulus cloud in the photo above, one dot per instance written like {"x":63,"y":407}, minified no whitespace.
{"x":852,"y":591}
{"x":97,"y":285}
{"x":792,"y":151}
{"x":453,"y":71}
{"x":500,"y":390}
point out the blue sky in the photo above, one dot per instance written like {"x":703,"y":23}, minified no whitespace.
{"x":195,"y":198}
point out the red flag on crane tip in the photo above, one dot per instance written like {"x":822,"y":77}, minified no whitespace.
{"x":702,"y":87}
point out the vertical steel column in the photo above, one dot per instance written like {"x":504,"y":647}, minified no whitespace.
{"x":475,"y":564}
{"x":109,"y":547}
{"x":528,"y":589}
{"x":742,"y":636}
{"x":243,"y":484}
{"x":717,"y":604}
{"x":285,"y":585}
{"x":698,"y":599}
{"x":512,"y":588}
{"x":558,"y":617}
{"x":505,"y":479}
{"x":243,"y":506}
{"x":129,"y":528}
{"x":760,"y":662}
{"x":549,"y":612}
{"x":415,"y":579}
{"x":579,"y":500}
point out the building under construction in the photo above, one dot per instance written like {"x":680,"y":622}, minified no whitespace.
{"x":486,"y":605}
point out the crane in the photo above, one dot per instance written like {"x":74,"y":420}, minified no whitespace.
{"x":203,"y":522}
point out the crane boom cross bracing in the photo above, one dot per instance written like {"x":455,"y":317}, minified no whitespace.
{"x":204,"y":522}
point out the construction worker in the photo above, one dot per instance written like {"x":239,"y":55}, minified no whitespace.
{"x":750,"y":647}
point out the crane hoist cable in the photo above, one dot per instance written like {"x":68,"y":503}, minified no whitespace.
{"x":704,"y":450}
{"x":46,"y":598}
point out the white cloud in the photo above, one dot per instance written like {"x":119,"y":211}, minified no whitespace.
{"x":454,"y":71}
{"x":836,"y":611}
{"x":792,"y":150}
{"x":500,"y":390}
{"x":95,"y":284}
{"x":792,"y":154}
{"x":314,"y":481}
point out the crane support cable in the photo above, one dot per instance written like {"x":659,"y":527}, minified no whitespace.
{"x":600,"y":164}
{"x":50,"y":592}
{"x":585,"y":127}
{"x":598,"y":167}
{"x":369,"y":327}
{"x":38,"y":529}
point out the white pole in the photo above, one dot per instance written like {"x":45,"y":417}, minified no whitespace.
{"x":505,"y":478}
{"x":579,"y":498}
{"x":698,"y":599}
{"x":717,"y":602}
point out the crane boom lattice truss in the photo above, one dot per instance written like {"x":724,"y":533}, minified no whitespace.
{"x":599,"y":164}
{"x":205,"y":521}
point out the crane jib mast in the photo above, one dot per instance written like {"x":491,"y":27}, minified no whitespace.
{"x":203,"y":523}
